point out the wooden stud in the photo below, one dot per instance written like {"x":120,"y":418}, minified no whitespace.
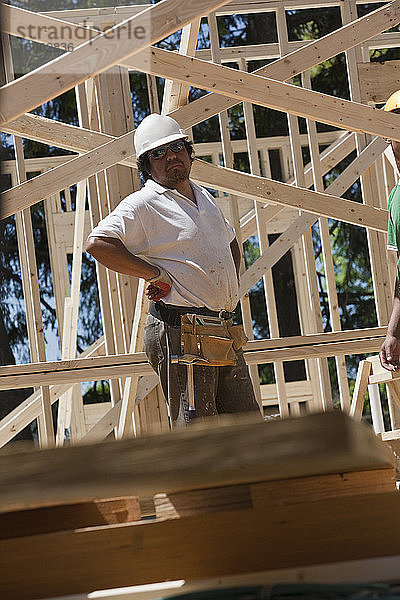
{"x":99,"y":208}
{"x":26,"y":251}
{"x":126,"y":419}
{"x":315,"y":316}
{"x":82,"y":369}
{"x":269,"y":292}
{"x":327,"y":257}
{"x":227,"y":152}
{"x":176,"y":94}
{"x":70,"y":324}
{"x":360,"y":389}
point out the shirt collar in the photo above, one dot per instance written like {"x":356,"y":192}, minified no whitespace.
{"x":156,"y":187}
{"x":160,"y":189}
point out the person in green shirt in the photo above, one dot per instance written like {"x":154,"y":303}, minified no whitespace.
{"x":390,"y":350}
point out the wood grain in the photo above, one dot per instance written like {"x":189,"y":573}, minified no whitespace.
{"x":239,"y":452}
{"x":192,"y":548}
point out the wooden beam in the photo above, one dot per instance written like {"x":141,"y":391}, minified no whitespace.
{"x":112,"y":556}
{"x":281,"y":492}
{"x":63,"y":135}
{"x":290,"y":98}
{"x":30,"y":284}
{"x":30,"y":408}
{"x":43,"y":29}
{"x":288,"y":238}
{"x":366,"y":346}
{"x":97,"y":55}
{"x":176,"y":94}
{"x":278,"y":248}
{"x":272,"y":94}
{"x":250,"y":186}
{"x":269,"y":290}
{"x":252,"y":88}
{"x":256,"y":352}
{"x":69,"y":516}
{"x":15,"y":21}
{"x":294,"y":63}
{"x":291,"y":64}
{"x":269,"y":191}
{"x":126,"y":417}
{"x":360,"y":389}
{"x":72,"y":399}
{"x":378,"y":80}
{"x":71,"y":371}
{"x":278,"y":64}
{"x":316,"y":338}
{"x":242,"y":7}
{"x":337,"y":444}
{"x":64,"y":175}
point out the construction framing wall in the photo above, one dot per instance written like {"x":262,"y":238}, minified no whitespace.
{"x":104,"y":171}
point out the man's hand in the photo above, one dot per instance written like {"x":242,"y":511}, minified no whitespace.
{"x":389,"y":353}
{"x":159,"y":286}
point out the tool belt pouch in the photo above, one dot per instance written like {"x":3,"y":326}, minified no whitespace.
{"x":211,"y":345}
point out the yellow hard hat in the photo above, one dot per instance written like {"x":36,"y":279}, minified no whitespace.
{"x":393,"y":102}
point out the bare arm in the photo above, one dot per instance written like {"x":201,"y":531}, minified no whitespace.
{"x":112,"y":253}
{"x":390,"y":350}
{"x":236,"y":255}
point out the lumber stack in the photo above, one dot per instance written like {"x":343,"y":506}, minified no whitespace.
{"x":233,"y":498}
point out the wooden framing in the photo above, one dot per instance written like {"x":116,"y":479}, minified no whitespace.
{"x":28,"y":478}
{"x":314,"y":484}
{"x":256,"y":202}
{"x":63,"y":73}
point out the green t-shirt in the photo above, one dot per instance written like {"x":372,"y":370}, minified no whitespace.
{"x":393,"y":235}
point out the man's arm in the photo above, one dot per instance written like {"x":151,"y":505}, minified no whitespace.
{"x":112,"y":253}
{"x":390,"y":350}
{"x":236,"y":254}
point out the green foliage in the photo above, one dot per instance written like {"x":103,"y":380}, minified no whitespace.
{"x":98,"y":391}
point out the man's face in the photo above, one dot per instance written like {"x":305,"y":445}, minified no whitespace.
{"x":172,"y":168}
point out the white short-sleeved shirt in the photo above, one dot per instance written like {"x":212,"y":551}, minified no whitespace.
{"x":191,"y":242}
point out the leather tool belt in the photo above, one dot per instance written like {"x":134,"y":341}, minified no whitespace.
{"x":209,"y":341}
{"x":171,"y":314}
{"x":208,"y":337}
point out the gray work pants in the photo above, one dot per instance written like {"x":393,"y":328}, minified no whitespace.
{"x":217,"y":389}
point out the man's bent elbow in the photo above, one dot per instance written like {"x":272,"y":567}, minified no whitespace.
{"x":90,"y":245}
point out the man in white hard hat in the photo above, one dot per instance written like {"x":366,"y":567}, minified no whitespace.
{"x":390,"y":350}
{"x":172,"y":234}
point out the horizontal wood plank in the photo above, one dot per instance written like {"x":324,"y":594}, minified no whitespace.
{"x":315,"y":444}
{"x":281,"y":492}
{"x":66,"y":372}
{"x":363,"y":346}
{"x":193,"y":548}
{"x":69,"y":516}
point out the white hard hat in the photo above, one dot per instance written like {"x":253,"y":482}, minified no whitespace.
{"x":156,"y":130}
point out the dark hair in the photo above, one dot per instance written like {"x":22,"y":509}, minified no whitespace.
{"x":143,"y":163}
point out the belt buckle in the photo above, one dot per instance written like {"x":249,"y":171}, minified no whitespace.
{"x":225,"y":315}
{"x":205,"y":320}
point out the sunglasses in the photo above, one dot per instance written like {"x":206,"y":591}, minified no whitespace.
{"x":161,"y":151}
